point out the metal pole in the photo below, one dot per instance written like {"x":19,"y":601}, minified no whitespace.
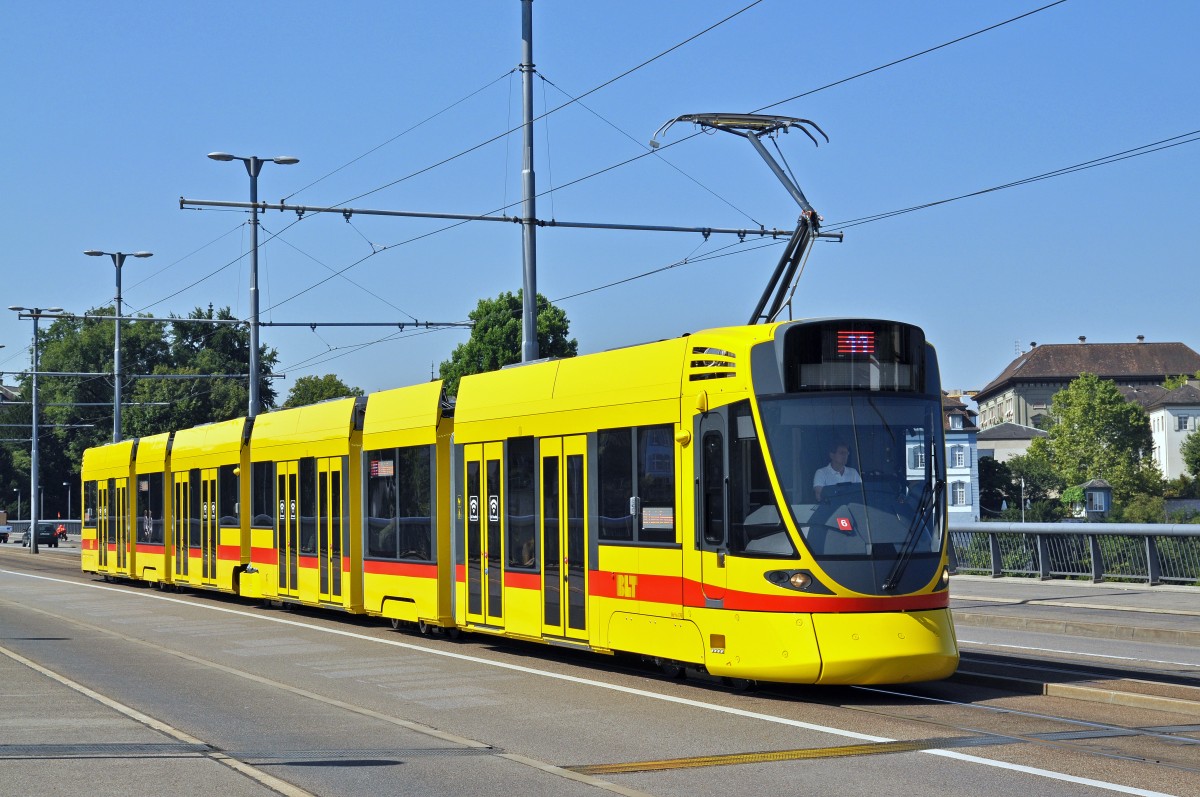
{"x":68,"y":486}
{"x":118,"y":259}
{"x":529,"y":341}
{"x":253,"y":167}
{"x":33,"y":457}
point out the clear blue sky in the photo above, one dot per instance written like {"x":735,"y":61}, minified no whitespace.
{"x":111,"y":108}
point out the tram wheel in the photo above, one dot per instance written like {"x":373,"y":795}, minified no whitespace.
{"x":670,"y":669}
{"x":423,"y":627}
{"x":739,"y":684}
{"x":395,"y":624}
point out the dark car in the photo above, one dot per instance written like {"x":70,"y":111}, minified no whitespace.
{"x":46,"y":536}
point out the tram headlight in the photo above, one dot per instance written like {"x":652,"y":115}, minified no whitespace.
{"x":800,"y":580}
{"x":944,"y":581}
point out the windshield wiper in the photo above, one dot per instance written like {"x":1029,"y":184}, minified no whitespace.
{"x":928,"y":500}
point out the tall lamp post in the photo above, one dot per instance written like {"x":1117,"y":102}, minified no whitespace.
{"x":68,"y":486}
{"x":34,"y":488}
{"x":254,"y":165}
{"x":118,"y":259}
{"x":17,"y":490}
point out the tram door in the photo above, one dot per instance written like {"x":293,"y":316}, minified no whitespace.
{"x":210,"y":529}
{"x":564,"y":537}
{"x":102,"y":521}
{"x":713,"y":494}
{"x":485,"y":562}
{"x":329,"y":527}
{"x":182,"y":526}
{"x":287,"y":526}
{"x":118,"y":528}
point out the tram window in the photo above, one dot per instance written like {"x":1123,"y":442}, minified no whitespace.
{"x":415,"y":502}
{"x":656,"y":483}
{"x":89,"y":504}
{"x":228,"y":492}
{"x":150,"y":508}
{"x":641,"y":457}
{"x":195,"y":508}
{"x":755,"y":526}
{"x":112,"y":510}
{"x":308,"y":505}
{"x":714,"y":488}
{"x":521,"y":495}
{"x":615,"y":483}
{"x":399,"y":522}
{"x":262,"y":495}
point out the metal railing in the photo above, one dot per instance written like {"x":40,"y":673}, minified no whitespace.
{"x":19,"y":527}
{"x":1167,"y":553}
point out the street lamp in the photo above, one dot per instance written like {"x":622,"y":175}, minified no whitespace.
{"x":118,"y":259}
{"x":254,"y":165}
{"x":68,"y":486}
{"x":17,"y":490}
{"x":35,"y":313}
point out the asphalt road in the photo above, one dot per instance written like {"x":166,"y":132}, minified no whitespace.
{"x":111,"y":689}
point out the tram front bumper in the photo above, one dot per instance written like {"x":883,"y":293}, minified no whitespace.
{"x":886,"y":647}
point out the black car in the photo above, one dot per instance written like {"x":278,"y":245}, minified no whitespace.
{"x":46,"y":536}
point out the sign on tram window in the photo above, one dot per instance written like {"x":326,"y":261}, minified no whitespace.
{"x":854,"y":354}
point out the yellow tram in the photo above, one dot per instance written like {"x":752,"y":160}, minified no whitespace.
{"x":763,"y":503}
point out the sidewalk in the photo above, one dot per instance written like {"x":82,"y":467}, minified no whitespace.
{"x":1136,"y":612}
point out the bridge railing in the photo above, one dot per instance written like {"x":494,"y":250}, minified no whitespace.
{"x":1167,"y":553}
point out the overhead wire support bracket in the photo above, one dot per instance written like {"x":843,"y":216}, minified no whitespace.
{"x":753,"y":127}
{"x":346,"y":213}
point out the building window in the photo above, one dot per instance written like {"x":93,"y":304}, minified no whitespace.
{"x":956,"y":422}
{"x":960,"y":457}
{"x":1095,"y":501}
{"x":916,"y":457}
{"x":1183,"y":423}
{"x":958,"y":494}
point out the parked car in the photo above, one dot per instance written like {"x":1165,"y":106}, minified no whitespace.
{"x":46,"y":536}
{"x":4,"y":530}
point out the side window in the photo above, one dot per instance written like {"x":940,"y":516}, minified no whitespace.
{"x":149,"y":525}
{"x":656,"y":483}
{"x":521,"y":504}
{"x":89,"y":504}
{"x":637,"y":484}
{"x":307,"y":495}
{"x":714,"y":488}
{"x":615,"y":483}
{"x":399,"y":511}
{"x":262,"y":495}
{"x":755,"y":527}
{"x":229,"y":484}
{"x":382,"y":510}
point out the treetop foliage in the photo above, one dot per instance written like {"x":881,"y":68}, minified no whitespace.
{"x":496,"y":338}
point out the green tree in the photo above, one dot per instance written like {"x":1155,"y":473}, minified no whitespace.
{"x":1173,"y":382}
{"x":77,"y":410}
{"x":311,"y":389}
{"x":1142,"y":509}
{"x":995,"y":486}
{"x":1191,"y":454}
{"x":1035,"y":482}
{"x":496,"y":338}
{"x":1098,"y":434}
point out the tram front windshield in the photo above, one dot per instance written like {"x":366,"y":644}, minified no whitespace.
{"x":873,"y":518}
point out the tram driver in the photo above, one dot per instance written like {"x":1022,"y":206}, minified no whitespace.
{"x":837,"y":471}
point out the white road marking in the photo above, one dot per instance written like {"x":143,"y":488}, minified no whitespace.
{"x":962,"y":641}
{"x":1043,"y":773}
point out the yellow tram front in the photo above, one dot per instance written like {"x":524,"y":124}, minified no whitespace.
{"x":820,"y":504}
